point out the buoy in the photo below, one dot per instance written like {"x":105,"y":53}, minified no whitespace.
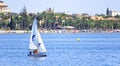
{"x":78,"y":39}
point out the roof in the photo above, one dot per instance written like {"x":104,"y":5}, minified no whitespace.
{"x":96,"y":18}
{"x":111,"y":18}
{"x":3,"y":5}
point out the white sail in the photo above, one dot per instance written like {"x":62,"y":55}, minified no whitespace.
{"x":41,"y":46}
{"x":32,"y":46}
{"x":35,"y":39}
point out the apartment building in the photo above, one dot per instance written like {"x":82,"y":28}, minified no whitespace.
{"x":4,"y":7}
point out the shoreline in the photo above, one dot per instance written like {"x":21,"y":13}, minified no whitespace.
{"x":59,"y":31}
{"x":13,"y":31}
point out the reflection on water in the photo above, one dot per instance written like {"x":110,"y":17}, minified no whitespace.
{"x":63,"y":50}
{"x":38,"y":58}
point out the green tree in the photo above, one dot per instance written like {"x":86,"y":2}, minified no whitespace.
{"x":24,"y":19}
{"x":5,"y":20}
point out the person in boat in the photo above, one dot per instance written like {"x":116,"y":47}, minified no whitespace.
{"x":35,"y":51}
{"x":30,"y":53}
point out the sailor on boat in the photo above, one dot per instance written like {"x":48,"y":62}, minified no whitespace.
{"x":30,"y":53}
{"x":35,"y":51}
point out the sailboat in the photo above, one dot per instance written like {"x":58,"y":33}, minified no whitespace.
{"x":36,"y":45}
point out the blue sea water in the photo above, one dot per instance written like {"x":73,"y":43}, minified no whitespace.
{"x":93,"y":49}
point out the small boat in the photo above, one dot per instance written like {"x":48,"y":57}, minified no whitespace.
{"x":36,"y":45}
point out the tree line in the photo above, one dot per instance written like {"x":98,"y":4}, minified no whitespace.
{"x":50,"y":20}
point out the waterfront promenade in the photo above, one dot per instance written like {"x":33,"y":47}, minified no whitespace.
{"x":62,"y":31}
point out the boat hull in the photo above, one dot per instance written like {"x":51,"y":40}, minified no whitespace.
{"x":38,"y":55}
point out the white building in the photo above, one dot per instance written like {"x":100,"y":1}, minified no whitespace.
{"x":112,"y":13}
{"x":4,"y":7}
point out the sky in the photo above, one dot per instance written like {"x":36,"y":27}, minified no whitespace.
{"x":91,"y":7}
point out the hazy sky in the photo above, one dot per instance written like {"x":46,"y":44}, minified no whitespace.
{"x":73,"y":6}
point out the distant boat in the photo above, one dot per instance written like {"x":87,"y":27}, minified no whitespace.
{"x":36,"y":46}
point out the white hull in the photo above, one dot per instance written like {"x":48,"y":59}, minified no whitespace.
{"x":38,"y":55}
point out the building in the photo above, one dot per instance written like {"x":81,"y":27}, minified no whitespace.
{"x":112,"y":13}
{"x":4,"y":7}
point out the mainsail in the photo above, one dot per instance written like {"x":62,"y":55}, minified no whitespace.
{"x":35,"y":39}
